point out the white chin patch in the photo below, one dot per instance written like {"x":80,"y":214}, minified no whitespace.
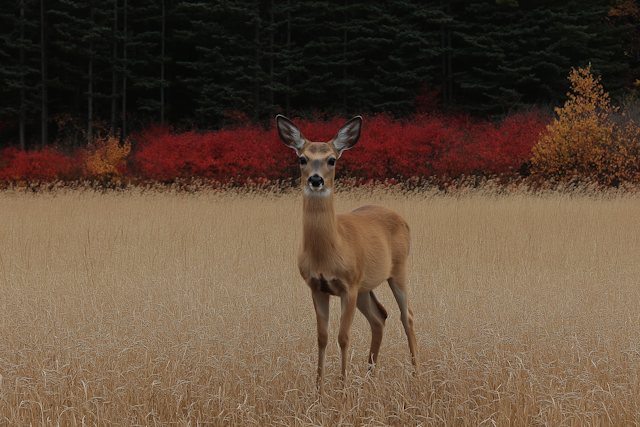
{"x":320,"y":191}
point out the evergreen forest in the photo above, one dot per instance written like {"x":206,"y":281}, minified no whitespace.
{"x":71,"y":69}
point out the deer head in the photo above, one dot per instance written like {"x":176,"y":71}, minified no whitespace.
{"x":318,"y":159}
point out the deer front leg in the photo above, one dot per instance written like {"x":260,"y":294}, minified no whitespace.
{"x":321,"y":304}
{"x":348,"y":308}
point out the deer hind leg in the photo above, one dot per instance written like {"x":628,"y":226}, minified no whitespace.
{"x":398,"y":284}
{"x":376,"y":314}
{"x":321,"y":304}
{"x":348,"y":308}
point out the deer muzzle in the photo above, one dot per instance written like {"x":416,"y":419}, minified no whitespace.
{"x":316,"y":182}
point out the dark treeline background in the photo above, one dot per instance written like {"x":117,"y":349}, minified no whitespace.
{"x":71,"y":69}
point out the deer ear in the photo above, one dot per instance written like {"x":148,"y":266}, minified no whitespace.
{"x":290,"y":134}
{"x":348,"y":135}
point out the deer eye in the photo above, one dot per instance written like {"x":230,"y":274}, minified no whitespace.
{"x":332,"y":162}
{"x":303,"y":161}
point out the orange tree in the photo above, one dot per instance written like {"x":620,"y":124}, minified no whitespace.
{"x":106,"y":159}
{"x":588,"y":139}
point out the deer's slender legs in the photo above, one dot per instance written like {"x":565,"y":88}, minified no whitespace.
{"x":398,"y":285}
{"x":321,"y":304}
{"x":375,"y":313}
{"x":348,"y":308}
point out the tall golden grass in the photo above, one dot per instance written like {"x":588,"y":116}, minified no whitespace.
{"x":152,"y":308}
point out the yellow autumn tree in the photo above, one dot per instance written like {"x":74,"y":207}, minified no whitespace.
{"x":588,"y":139}
{"x":106,"y":159}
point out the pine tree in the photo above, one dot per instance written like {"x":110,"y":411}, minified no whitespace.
{"x":126,"y":40}
{"x":407,"y":58}
{"x":360,"y":56}
{"x":114,"y":68}
{"x":625,"y":16}
{"x":292,"y":21}
{"x":83,"y":31}
{"x":329,"y":52}
{"x":510,"y":54}
{"x":221,"y":71}
{"x":163,"y":38}
{"x":18,"y":72}
{"x":44,"y":72}
{"x":146,"y":42}
{"x":118,"y":65}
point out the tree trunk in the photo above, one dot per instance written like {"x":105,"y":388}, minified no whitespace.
{"x":90,"y":97}
{"x":445,"y":44}
{"x":44,"y":124}
{"x":23,"y":116}
{"x":162,"y":69}
{"x":90,"y":87}
{"x":288,"y":98}
{"x":444,"y":59}
{"x":257,"y":75}
{"x":344,"y":58}
{"x":449,"y":62}
{"x":124,"y":74}
{"x":114,"y":74}
{"x":271,"y":57}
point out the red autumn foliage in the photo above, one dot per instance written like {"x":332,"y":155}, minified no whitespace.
{"x":46,"y":165}
{"x":240,"y":154}
{"x":439,"y":146}
{"x":427,"y":101}
{"x":425,"y":146}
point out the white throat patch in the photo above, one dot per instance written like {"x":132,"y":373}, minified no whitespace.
{"x":322,"y":191}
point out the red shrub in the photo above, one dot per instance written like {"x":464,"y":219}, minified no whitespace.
{"x":442,"y":146}
{"x":427,"y":101}
{"x":487,"y":149}
{"x":227,"y":155}
{"x":46,"y":165}
{"x":425,"y":146}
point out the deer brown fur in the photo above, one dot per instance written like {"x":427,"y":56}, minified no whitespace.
{"x":347,"y":255}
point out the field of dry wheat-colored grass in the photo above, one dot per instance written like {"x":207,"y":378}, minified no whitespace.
{"x":164,"y":309}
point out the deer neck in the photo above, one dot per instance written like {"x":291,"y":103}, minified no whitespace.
{"x":320,"y":227}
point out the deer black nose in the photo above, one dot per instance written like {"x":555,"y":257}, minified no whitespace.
{"x":316,"y":181}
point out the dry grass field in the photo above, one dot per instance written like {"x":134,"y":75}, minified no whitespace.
{"x":152,"y":308}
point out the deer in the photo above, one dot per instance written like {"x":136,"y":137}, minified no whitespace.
{"x":347,"y":254}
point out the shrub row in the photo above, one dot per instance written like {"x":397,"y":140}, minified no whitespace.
{"x":46,"y":165}
{"x":389,"y":149}
{"x":105,"y":161}
{"x":588,"y":140}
